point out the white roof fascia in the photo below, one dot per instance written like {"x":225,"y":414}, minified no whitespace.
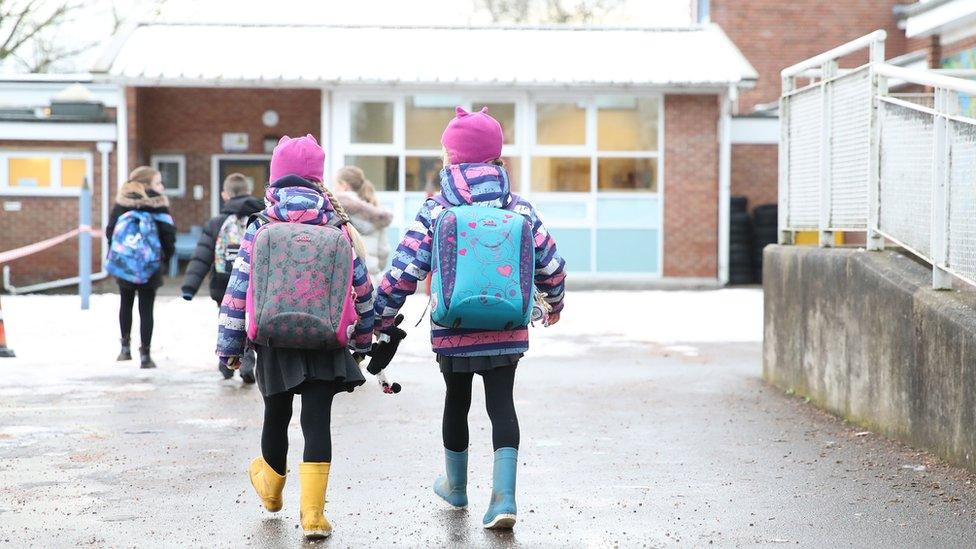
{"x":57,"y":131}
{"x":219,"y":55}
{"x":941,"y":19}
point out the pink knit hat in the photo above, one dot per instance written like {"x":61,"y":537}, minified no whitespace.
{"x":301,"y":156}
{"x":472,"y":137}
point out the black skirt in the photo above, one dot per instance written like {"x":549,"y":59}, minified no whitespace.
{"x":284,"y":370}
{"x":475,"y":364}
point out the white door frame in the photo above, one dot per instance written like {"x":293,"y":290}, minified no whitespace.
{"x":215,"y":175}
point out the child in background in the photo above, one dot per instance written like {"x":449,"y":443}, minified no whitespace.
{"x":217,"y":250}
{"x":473,"y":174}
{"x":358,"y":197}
{"x":140,"y":249}
{"x":296,"y":196}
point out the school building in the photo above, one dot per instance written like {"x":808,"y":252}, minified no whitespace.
{"x":629,"y":140}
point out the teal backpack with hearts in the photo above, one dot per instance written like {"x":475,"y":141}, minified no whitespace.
{"x":483,"y":267}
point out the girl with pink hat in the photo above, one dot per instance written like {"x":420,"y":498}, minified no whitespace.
{"x":306,"y":307}
{"x":492,"y":262}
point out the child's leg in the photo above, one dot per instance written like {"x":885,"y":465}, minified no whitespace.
{"x":128,"y":298}
{"x":274,"y":434}
{"x":147,"y":298}
{"x":457,"y":402}
{"x":316,"y":420}
{"x":499,"y":384}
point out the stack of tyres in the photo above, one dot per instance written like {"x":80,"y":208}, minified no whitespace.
{"x":765,"y":218}
{"x":740,"y":243}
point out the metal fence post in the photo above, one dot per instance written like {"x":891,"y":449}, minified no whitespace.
{"x":828,"y":71}
{"x":941,"y":280}
{"x":785,"y":235}
{"x":879,"y":86}
{"x":84,"y":243}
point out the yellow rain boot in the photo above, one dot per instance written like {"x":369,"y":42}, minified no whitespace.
{"x":267,"y":483}
{"x":314,"y":481}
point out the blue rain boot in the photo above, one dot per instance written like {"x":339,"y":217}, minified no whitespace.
{"x":453,"y":486}
{"x":501,"y":510}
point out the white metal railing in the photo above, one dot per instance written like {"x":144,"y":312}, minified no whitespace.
{"x":854,"y":157}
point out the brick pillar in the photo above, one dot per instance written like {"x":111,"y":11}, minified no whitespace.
{"x":691,"y":186}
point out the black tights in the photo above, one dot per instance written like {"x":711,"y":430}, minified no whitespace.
{"x":147,"y":296}
{"x":316,"y":417}
{"x":498,"y":400}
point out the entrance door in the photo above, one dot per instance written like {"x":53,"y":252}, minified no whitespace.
{"x":255,"y":167}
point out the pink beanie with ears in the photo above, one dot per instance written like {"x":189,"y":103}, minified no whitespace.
{"x":301,"y":156}
{"x":472,"y":137}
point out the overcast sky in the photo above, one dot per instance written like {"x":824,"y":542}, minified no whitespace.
{"x":94,"y":25}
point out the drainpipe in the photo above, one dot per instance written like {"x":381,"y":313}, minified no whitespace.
{"x":724,"y":181}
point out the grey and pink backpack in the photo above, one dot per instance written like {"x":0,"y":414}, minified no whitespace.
{"x":301,"y":294}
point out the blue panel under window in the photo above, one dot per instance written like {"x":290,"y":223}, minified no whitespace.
{"x":574,"y":246}
{"x":560,"y":211}
{"x":628,"y":212}
{"x":627,"y":251}
{"x":393,"y":234}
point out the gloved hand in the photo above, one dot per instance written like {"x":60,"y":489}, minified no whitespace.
{"x":383,"y":352}
{"x":232,"y":362}
{"x":188,"y":296}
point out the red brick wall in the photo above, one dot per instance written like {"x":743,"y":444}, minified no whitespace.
{"x":190,"y":121}
{"x":774,"y":34}
{"x":755,"y":172}
{"x":44,"y":217}
{"x":691,"y":186}
{"x":948,"y":50}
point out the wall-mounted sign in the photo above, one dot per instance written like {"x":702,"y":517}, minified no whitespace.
{"x":234,"y":142}
{"x":9,"y":206}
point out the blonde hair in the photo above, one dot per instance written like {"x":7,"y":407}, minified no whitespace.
{"x":354,"y":236}
{"x":354,"y":177}
{"x":144,"y":175}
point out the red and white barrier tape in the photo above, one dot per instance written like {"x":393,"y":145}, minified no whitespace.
{"x":24,"y":251}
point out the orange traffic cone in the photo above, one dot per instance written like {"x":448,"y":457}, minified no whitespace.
{"x":5,"y":352}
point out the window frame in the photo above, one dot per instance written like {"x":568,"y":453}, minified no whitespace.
{"x":54,"y":157}
{"x":180,"y":159}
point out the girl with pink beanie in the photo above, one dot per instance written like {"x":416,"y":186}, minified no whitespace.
{"x":474,"y":175}
{"x":296,"y":195}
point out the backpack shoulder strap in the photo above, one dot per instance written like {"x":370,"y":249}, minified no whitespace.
{"x":257,"y":217}
{"x":337,"y":221}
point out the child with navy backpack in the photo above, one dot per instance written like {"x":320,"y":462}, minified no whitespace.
{"x":492,"y":261}
{"x":142,"y":238}
{"x":300,"y":294}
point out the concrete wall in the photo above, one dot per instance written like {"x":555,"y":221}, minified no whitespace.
{"x":863,"y":336}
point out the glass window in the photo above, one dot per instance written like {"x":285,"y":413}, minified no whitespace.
{"x":383,"y":171}
{"x":427,"y":116}
{"x":170,"y":171}
{"x":560,"y":124}
{"x":627,"y":174}
{"x":560,"y":174}
{"x":423,"y":173}
{"x":29,"y":171}
{"x":627,"y":124}
{"x":371,"y":122}
{"x":73,"y":172}
{"x":504,"y":113}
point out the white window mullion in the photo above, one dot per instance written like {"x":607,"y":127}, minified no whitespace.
{"x":55,"y":161}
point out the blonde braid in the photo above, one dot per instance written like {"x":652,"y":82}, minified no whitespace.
{"x":357,"y":239}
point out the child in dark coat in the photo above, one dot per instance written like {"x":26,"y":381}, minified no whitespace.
{"x":223,"y":231}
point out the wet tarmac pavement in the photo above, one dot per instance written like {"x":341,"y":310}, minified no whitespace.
{"x":624,"y":443}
